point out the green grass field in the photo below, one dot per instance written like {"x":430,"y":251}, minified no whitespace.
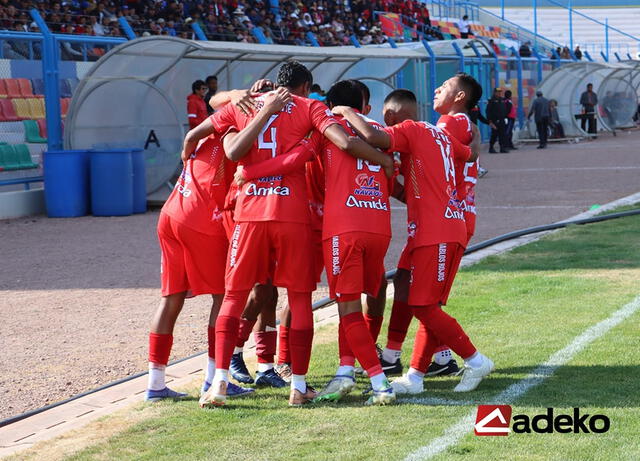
{"x":518,"y":308}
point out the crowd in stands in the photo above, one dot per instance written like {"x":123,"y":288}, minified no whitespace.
{"x":332,"y":22}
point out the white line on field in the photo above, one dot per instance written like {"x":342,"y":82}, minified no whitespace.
{"x":453,"y":434}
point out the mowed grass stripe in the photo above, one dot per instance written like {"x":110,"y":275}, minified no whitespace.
{"x":517,"y":312}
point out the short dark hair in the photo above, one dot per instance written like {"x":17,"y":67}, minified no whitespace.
{"x":471,"y":87}
{"x":401,"y":96}
{"x":316,"y":88}
{"x":366,"y":94}
{"x":195,"y":86}
{"x":345,"y":93}
{"x":508,"y":94}
{"x":292,"y":74}
{"x":211,"y":78}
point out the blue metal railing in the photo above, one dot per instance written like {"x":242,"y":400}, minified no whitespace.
{"x":26,"y":181}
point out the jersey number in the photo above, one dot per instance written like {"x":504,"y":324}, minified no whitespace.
{"x":445,"y":151}
{"x":372,"y":168}
{"x":262,"y":144}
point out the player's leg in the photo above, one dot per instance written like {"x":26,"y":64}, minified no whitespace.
{"x":266,"y":337}
{"x":424,"y":346}
{"x":400,"y":319}
{"x":374,"y":313}
{"x":174,"y":290}
{"x":284,"y":353}
{"x":237,"y":367}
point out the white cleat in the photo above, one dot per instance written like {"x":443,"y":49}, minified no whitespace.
{"x":215,"y":396}
{"x":471,"y":377}
{"x":404,"y":385}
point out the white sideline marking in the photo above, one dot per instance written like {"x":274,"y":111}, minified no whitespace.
{"x":453,"y":434}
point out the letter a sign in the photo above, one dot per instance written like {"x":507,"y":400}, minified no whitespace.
{"x":493,"y":420}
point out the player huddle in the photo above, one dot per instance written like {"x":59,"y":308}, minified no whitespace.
{"x":277,"y":187}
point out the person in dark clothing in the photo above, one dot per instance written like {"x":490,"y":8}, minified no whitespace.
{"x":212,"y":88}
{"x":589,"y":100}
{"x":497,"y":115}
{"x":474,"y":116}
{"x":557,"y":131}
{"x":542,"y":115}
{"x":525,"y":51}
{"x":577,"y":53}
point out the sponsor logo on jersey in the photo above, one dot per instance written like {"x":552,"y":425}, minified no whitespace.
{"x":234,"y":246}
{"x":411,"y":229}
{"x":254,"y":190}
{"x":367,"y":186}
{"x":353,"y":202}
{"x":454,"y":207}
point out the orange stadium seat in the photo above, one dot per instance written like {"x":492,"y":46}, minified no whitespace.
{"x":3,"y":88}
{"x":13,"y":88}
{"x":8,"y":112}
{"x":26,"y":90}
{"x":42,"y":127}
{"x":64,"y":106}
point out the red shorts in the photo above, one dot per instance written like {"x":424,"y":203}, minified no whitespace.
{"x":191,"y":261}
{"x":433,"y":269}
{"x":318,"y":256}
{"x":470,"y":221}
{"x":405,"y":257}
{"x":355,"y":263}
{"x":271,"y":250}
{"x":228,"y":223}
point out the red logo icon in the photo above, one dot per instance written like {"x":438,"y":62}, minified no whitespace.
{"x":493,"y":420}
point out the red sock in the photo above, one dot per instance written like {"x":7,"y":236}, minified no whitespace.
{"x":399,"y":322}
{"x":244,"y":331}
{"x":355,"y":329}
{"x":265,"y":345}
{"x":347,"y":358}
{"x":423,"y":349}
{"x":374,"y":324}
{"x":441,"y":348}
{"x":211,"y":337}
{"x":160,"y":348}
{"x":284,"y":353}
{"x":301,"y":331}
{"x":446,"y":329}
{"x":227,"y":325}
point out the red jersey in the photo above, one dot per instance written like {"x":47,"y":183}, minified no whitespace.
{"x":198,"y":198}
{"x":314,"y":172}
{"x":356,"y":193}
{"x":196,"y":110}
{"x":459,"y":126}
{"x":430,"y":185}
{"x":281,"y":197}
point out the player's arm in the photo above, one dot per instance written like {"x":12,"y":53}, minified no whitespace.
{"x":377,"y":138}
{"x":194,"y":136}
{"x":397,"y":191}
{"x":237,"y":144}
{"x":476,"y":140}
{"x":280,"y":164}
{"x":460,"y":151}
{"x":242,"y":99}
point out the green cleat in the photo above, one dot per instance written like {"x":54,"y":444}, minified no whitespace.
{"x":337,"y":388}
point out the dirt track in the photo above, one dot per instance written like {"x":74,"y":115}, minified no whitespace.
{"x":77,"y":295}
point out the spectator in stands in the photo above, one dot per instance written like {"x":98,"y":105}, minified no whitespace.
{"x":196,"y":107}
{"x":542,"y":116}
{"x":525,"y":50}
{"x":557,"y":131}
{"x":588,"y":101}
{"x":566,"y":54}
{"x":212,"y":88}
{"x":495,"y":47}
{"x":577,"y":53}
{"x":463,"y":25}
{"x":511,"y":119}
{"x":497,"y":115}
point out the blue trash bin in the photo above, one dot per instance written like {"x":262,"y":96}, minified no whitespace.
{"x":139,"y":181}
{"x":111,"y":182}
{"x":66,"y":183}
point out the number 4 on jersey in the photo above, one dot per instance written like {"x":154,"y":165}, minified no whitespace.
{"x":262,"y":144}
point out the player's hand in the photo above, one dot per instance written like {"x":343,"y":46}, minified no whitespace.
{"x":340,"y":110}
{"x":238,"y":177}
{"x":184,"y":156}
{"x":243,"y":100}
{"x":492,"y":126}
{"x":275,"y":100}
{"x":260,"y":84}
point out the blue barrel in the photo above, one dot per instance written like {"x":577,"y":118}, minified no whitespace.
{"x":139,"y":181}
{"x":111,"y":182}
{"x":66,"y":183}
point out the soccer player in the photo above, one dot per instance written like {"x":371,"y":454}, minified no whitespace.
{"x":272,"y":236}
{"x":440,"y":231}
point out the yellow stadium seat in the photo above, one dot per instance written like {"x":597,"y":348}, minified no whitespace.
{"x":22,"y":108}
{"x":36,"y":107}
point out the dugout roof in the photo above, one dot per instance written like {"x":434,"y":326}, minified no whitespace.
{"x":135,"y":95}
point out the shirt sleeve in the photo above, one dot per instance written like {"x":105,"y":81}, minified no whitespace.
{"x":224,"y":120}
{"x":285,"y":163}
{"x":460,"y":151}
{"x":400,"y":137}
{"x":321,"y":116}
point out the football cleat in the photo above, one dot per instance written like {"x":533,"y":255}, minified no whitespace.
{"x":450,"y":368}
{"x":239,"y":370}
{"x":337,"y":388}
{"x":214,"y":397}
{"x":269,"y":378}
{"x":166,"y":393}
{"x":384,"y":397}
{"x":233,"y":390}
{"x":404,"y":385}
{"x":391,"y":368}
{"x":297,"y":398}
{"x":471,"y":377}
{"x":284,"y":371}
